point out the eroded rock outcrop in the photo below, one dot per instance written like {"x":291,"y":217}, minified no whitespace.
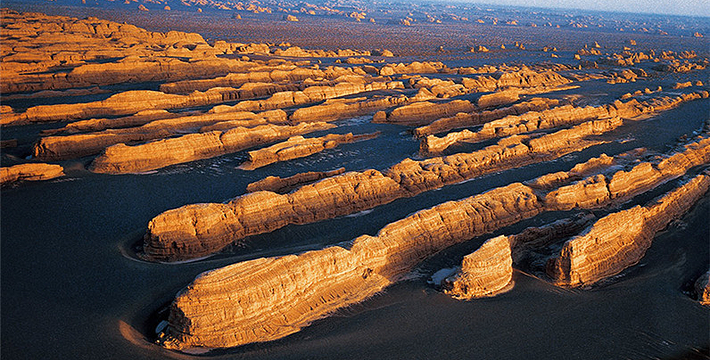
{"x":121,"y":158}
{"x":702,"y":288}
{"x":477,"y":118}
{"x":620,"y":239}
{"x":258,"y":302}
{"x":166,"y":125}
{"x":485,"y":272}
{"x":180,"y":233}
{"x":284,"y":185}
{"x":30,"y":172}
{"x":298,"y":147}
{"x":324,"y":280}
{"x":556,"y":117}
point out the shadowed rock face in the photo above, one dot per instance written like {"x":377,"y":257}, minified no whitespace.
{"x":180,"y":234}
{"x":620,"y":239}
{"x":484,"y":272}
{"x":259,"y":304}
{"x":29,"y":172}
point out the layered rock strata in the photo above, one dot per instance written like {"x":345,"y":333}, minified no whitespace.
{"x":619,"y":240}
{"x":322,"y":281}
{"x":30,"y":172}
{"x":131,"y":102}
{"x":336,"y":109}
{"x":485,"y":272}
{"x":461,"y":120}
{"x":78,"y":145}
{"x":506,"y":88}
{"x":284,"y":185}
{"x":56,"y":52}
{"x":551,"y":118}
{"x":121,"y":158}
{"x":180,"y":233}
{"x":279,"y":74}
{"x":298,"y":147}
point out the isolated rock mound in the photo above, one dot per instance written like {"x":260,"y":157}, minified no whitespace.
{"x":484,"y":272}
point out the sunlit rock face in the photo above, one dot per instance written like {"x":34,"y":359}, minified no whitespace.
{"x":30,"y":172}
{"x":620,"y":239}
{"x":484,"y":272}
{"x":702,"y":288}
{"x":267,"y":299}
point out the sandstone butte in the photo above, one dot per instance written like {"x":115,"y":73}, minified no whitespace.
{"x":30,"y":172}
{"x":131,"y":102}
{"x":297,"y":147}
{"x":198,"y":230}
{"x":505,"y":86}
{"x":484,"y":272}
{"x":620,"y":239}
{"x":558,"y":116}
{"x":702,"y":288}
{"x":121,"y":158}
{"x":254,"y":301}
{"x":284,"y":185}
{"x":78,"y":145}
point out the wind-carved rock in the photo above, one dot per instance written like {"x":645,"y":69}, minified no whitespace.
{"x":78,"y":145}
{"x":483,"y":273}
{"x":298,"y":147}
{"x":619,"y":240}
{"x":121,"y":158}
{"x":477,"y":118}
{"x":30,"y":172}
{"x":556,"y":117}
{"x":284,"y":185}
{"x":506,"y":87}
{"x":131,"y":102}
{"x":258,"y":303}
{"x":179,"y":234}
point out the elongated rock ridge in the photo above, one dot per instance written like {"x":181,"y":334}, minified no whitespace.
{"x":322,"y":281}
{"x":30,"y":172}
{"x":484,"y":272}
{"x":477,"y":118}
{"x":78,"y":145}
{"x":226,"y":307}
{"x":193,"y":230}
{"x":619,"y":240}
{"x":131,"y":102}
{"x":284,"y":185}
{"x":555,"y":117}
{"x":298,"y":147}
{"x":121,"y":158}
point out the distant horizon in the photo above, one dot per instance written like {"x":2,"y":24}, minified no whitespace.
{"x":694,"y":8}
